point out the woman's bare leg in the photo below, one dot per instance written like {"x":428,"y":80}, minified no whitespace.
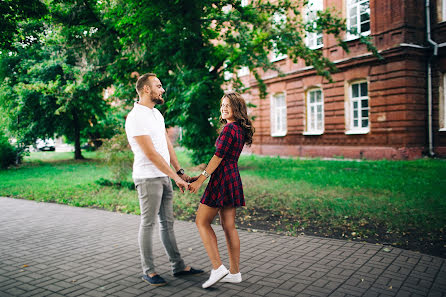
{"x":205,"y":216}
{"x":227,"y":218}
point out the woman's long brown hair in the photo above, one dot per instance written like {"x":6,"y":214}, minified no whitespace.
{"x":240,"y":112}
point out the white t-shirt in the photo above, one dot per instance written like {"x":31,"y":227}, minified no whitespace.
{"x":146,"y":121}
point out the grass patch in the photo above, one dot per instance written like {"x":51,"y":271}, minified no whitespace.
{"x":396,"y":202}
{"x":57,"y":177}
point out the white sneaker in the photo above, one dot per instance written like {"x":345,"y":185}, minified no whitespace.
{"x":232,"y":278}
{"x":215,"y":276}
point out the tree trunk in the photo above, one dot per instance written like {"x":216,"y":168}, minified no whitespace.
{"x":77,"y":138}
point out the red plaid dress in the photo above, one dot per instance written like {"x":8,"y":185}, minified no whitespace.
{"x":225,"y":186}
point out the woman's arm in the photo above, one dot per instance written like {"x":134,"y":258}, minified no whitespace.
{"x":213,"y":164}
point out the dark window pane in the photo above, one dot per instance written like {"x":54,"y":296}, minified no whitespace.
{"x":355,"y":105}
{"x":365,"y":17}
{"x":355,"y":123}
{"x":365,"y":123}
{"x":355,"y":90}
{"x":365,"y":27}
{"x":364,"y":103}
{"x":355,"y":114}
{"x":364,"y":90}
{"x":365,"y":113}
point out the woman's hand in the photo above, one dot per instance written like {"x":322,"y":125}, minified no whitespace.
{"x":193,"y":187}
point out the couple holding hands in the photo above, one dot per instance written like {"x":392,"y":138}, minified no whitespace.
{"x":153,"y":155}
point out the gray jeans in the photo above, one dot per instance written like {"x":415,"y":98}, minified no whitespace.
{"x":155,"y":198}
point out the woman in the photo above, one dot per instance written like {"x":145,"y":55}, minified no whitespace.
{"x":224,"y":192}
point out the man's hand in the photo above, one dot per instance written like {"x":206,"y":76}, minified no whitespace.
{"x":193,"y":187}
{"x":185,"y":177}
{"x":182,"y":185}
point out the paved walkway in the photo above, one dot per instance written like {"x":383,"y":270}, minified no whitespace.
{"x":56,"y":250}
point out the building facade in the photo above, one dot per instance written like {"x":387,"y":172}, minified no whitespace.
{"x":392,"y":108}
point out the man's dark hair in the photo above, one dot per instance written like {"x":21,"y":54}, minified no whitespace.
{"x":143,"y":80}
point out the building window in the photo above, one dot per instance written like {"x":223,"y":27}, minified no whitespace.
{"x":443,"y":10}
{"x":313,"y":39}
{"x":315,"y":112}
{"x":278,"y":115}
{"x":243,"y":71}
{"x":358,"y":18}
{"x":359,"y":108}
{"x":279,"y":20}
{"x":442,"y":104}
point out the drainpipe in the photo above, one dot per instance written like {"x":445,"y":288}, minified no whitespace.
{"x":429,"y":78}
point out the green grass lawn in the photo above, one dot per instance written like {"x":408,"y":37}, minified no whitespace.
{"x":399,"y":202}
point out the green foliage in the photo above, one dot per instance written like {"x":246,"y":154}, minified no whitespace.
{"x":13,"y":12}
{"x":118,"y":157}
{"x":8,"y":153}
{"x":53,"y":77}
{"x":52,"y":83}
{"x":122,"y":184}
{"x":191,"y":44}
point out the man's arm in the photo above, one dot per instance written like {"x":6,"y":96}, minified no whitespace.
{"x":173,"y":155}
{"x":146,"y":144}
{"x":174,"y":159}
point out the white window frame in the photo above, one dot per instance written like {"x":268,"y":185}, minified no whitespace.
{"x":278,"y":115}
{"x":311,"y":38}
{"x":443,"y":10}
{"x":278,"y":19}
{"x":442,"y":105}
{"x":352,"y":129}
{"x":227,"y":75}
{"x":356,"y":4}
{"x":313,"y":126}
{"x":243,"y":71}
{"x":106,"y":93}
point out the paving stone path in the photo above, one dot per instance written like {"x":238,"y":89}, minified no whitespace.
{"x":56,"y":250}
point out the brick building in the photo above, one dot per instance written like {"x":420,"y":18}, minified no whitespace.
{"x":392,"y":109}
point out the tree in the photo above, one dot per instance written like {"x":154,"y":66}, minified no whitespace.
{"x":58,"y":75}
{"x":191,"y":43}
{"x":13,"y":12}
{"x":51,"y":80}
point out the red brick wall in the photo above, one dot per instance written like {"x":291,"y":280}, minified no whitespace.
{"x":397,"y":93}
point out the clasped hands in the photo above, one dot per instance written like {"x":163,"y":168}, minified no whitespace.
{"x":188,"y":183}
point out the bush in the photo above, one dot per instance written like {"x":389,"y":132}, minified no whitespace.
{"x":118,"y":157}
{"x":8,"y":154}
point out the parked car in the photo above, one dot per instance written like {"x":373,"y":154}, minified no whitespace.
{"x":45,"y":145}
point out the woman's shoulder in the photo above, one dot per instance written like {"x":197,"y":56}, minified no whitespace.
{"x":234,"y":126}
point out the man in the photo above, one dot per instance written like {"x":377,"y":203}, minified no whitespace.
{"x":153,"y":152}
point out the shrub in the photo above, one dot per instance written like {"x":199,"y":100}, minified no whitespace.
{"x":8,"y":154}
{"x":118,"y":157}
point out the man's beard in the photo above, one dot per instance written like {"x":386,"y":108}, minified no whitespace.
{"x":157,"y":100}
